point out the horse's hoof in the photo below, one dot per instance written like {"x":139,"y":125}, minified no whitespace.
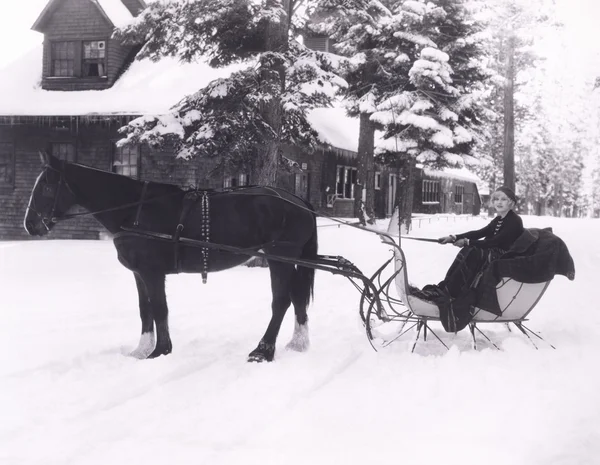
{"x":158,"y":352}
{"x":258,"y":358}
{"x":297,"y":345}
{"x":263,"y":353}
{"x":139,"y":354}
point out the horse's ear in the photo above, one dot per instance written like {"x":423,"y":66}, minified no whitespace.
{"x":45,"y":158}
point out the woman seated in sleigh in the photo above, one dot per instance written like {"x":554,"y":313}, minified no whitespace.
{"x":479,"y":248}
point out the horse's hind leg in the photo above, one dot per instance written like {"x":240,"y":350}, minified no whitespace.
{"x":300,"y":341}
{"x":281,"y":274}
{"x":153,"y":285}
{"x":147,"y":342}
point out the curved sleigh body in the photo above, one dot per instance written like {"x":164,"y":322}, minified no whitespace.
{"x":516,"y":300}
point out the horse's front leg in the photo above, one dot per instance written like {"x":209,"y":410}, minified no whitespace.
{"x":147,"y":340}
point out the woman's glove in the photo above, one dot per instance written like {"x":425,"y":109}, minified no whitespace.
{"x":447,"y":239}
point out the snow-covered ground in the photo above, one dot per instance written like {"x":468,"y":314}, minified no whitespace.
{"x":69,"y":394}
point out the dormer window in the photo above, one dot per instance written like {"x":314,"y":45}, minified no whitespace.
{"x":63,"y":59}
{"x":94,"y":58}
{"x":79,"y":58}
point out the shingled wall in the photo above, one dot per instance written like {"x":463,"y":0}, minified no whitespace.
{"x":95,"y":147}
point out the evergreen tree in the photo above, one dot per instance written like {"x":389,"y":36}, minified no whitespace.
{"x":435,"y":116}
{"x":515,"y":25}
{"x":414,"y":70}
{"x":355,"y":27}
{"x":247,"y":118}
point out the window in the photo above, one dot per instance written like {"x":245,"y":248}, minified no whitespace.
{"x":377,"y":180}
{"x":431,"y":191}
{"x":238,"y":180}
{"x":64,"y":151}
{"x":319,"y":43}
{"x":459,"y":192}
{"x":63,"y":59}
{"x":345,"y":181}
{"x":94,"y":59}
{"x":127,"y":160}
{"x":7,"y":165}
{"x":78,"y":59}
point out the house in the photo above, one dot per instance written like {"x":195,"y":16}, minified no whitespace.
{"x":71,"y":95}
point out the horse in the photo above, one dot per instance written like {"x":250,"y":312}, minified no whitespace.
{"x":155,"y":224}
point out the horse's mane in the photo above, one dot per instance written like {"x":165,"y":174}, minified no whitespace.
{"x":126,"y":179}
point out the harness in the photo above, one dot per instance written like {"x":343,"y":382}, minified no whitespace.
{"x":189,"y":200}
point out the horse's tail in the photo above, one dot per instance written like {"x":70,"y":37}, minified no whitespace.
{"x":305,"y":282}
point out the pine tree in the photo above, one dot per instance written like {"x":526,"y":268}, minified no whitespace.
{"x":355,"y":27}
{"x":245,"y":119}
{"x":514,"y":26}
{"x":435,"y":116}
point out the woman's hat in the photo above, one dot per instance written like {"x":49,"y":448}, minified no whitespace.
{"x":508,"y":192}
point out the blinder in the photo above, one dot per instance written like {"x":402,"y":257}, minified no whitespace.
{"x":50,"y":191}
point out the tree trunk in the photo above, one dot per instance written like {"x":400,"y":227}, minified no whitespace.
{"x":509,"y":115}
{"x":273,"y":84}
{"x":407,"y":194}
{"x":364,"y":200}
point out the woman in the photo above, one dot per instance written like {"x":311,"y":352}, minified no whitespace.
{"x":479,"y":248}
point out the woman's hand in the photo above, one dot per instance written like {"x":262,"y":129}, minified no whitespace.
{"x":461,"y":243}
{"x":447,"y":239}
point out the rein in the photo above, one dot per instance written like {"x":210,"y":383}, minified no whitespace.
{"x":205,"y":202}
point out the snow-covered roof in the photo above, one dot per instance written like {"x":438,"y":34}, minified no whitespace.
{"x":146,"y":87}
{"x":113,"y":10}
{"x":116,"y":11}
{"x":455,"y":173}
{"x":335,"y":128}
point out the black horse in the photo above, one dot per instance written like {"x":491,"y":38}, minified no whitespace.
{"x":249,"y":219}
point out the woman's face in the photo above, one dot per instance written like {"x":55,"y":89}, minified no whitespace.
{"x":501,"y":203}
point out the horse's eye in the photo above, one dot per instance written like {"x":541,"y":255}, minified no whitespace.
{"x":48,"y":191}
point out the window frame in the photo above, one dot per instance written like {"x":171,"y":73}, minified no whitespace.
{"x":430,"y":192}
{"x":459,"y":192}
{"x":236,"y":180}
{"x":59,"y":153}
{"x":117,"y":165}
{"x":103,"y":59}
{"x":78,"y":59}
{"x":377,"y":180}
{"x":345,"y":188}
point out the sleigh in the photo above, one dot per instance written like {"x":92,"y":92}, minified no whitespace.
{"x":387,"y":317}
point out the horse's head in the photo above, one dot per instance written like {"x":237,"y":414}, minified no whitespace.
{"x":51,"y":197}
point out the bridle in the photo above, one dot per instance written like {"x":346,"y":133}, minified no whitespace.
{"x":51,"y":190}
